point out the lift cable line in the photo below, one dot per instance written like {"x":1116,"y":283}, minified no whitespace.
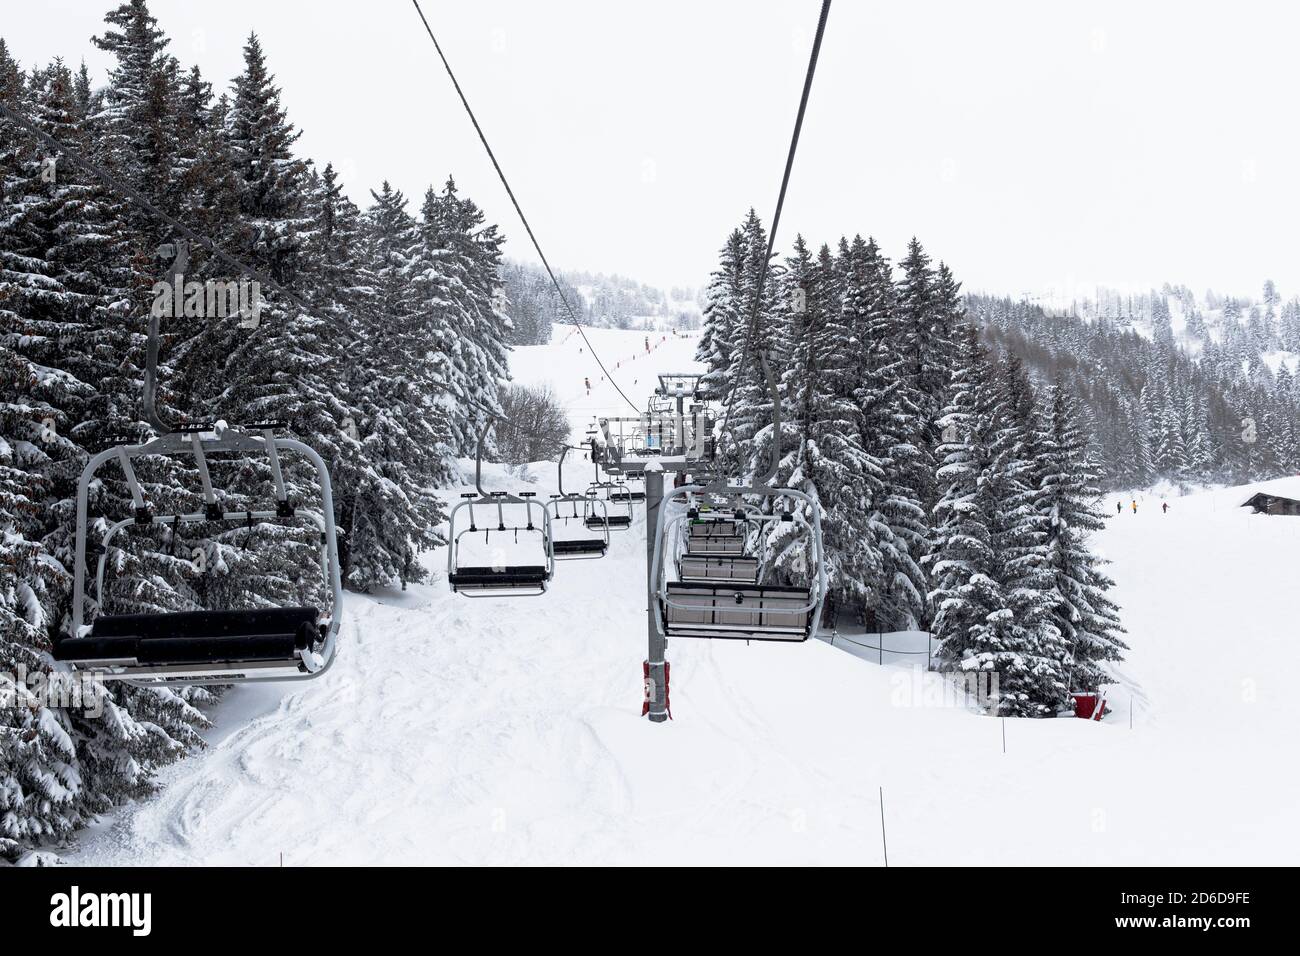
{"x":515,"y":202}
{"x":776,"y":217}
{"x":112,"y":183}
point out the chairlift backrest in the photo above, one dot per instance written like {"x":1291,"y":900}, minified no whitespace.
{"x":499,"y":578}
{"x":204,"y":647}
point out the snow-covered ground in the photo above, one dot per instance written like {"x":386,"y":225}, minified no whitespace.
{"x":502,"y":731}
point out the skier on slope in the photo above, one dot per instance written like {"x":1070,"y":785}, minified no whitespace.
{"x":1119,"y":507}
{"x":647,"y":343}
{"x":1135,"y":506}
{"x":586,"y":380}
{"x":1164,"y":507}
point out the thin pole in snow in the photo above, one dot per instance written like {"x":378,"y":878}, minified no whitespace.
{"x":884,"y":844}
{"x":1004,"y":735}
{"x":1130,"y":713}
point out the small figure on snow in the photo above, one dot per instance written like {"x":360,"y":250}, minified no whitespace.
{"x":1135,"y":506}
{"x":1119,"y":507}
{"x":1164,"y":506}
{"x":587,"y":381}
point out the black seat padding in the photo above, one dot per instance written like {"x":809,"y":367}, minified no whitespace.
{"x":614,"y":521}
{"x":192,"y":637}
{"x":521,"y":577}
{"x":580,"y":546}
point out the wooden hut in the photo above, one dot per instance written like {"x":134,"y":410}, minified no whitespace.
{"x":1267,"y":504}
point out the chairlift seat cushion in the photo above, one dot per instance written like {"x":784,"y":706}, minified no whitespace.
{"x":732,"y":544}
{"x":580,"y":546}
{"x":191,"y":637}
{"x":523,"y":577}
{"x":707,"y":527}
{"x":767,"y":612}
{"x":741,"y":569}
{"x":614,"y":521}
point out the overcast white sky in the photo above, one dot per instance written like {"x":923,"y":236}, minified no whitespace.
{"x":1034,"y":146}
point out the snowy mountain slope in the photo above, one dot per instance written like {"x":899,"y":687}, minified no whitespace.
{"x":567,"y":361}
{"x":508,"y":731}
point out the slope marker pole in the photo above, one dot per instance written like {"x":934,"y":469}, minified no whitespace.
{"x":884,"y":844}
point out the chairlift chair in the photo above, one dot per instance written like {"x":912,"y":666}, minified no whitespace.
{"x":715,"y":602}
{"x":617,"y":522}
{"x":589,"y":546}
{"x":500,"y":578}
{"x":207,"y":646}
{"x":716,"y":548}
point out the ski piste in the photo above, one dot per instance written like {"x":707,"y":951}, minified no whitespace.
{"x":853,"y":490}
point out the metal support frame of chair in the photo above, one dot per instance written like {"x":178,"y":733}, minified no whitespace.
{"x":499,"y":579}
{"x":618,"y":522}
{"x":574,"y":549}
{"x":211,"y":646}
{"x":680,"y":433}
{"x":715,"y":548}
{"x":93,"y":647}
{"x":741,"y":611}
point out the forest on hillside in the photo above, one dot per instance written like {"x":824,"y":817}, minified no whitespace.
{"x":1192,"y":408}
{"x":403,"y":325}
{"x":955,"y":495}
{"x":956,"y":444}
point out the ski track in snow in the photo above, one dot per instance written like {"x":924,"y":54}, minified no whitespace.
{"x":497,"y":731}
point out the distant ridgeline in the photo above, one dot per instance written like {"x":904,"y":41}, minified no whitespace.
{"x":597,"y":299}
{"x":1170,"y":390}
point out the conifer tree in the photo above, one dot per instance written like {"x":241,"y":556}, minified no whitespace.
{"x":724,"y":314}
{"x":1086,"y":617}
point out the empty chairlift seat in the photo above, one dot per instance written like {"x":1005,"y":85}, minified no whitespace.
{"x":571,"y":512}
{"x":741,"y":569}
{"x":715,"y":537}
{"x":488,"y":581}
{"x":190,"y":637}
{"x":737,"y":612}
{"x":612,"y":521}
{"x":573,"y":547}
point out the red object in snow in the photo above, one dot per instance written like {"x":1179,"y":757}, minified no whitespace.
{"x":1085,"y":706}
{"x":645,"y":701}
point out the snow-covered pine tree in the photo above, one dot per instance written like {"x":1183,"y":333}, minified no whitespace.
{"x":747,"y":449}
{"x":62,"y":345}
{"x":724,"y":312}
{"x":1038,"y":667}
{"x":395,"y":510}
{"x":1068,"y":494}
{"x":977,"y":578}
{"x":924,"y":314}
{"x":891,"y":429}
{"x":461,"y":257}
{"x":825,"y":459}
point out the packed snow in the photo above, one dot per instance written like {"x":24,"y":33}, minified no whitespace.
{"x":508,"y":731}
